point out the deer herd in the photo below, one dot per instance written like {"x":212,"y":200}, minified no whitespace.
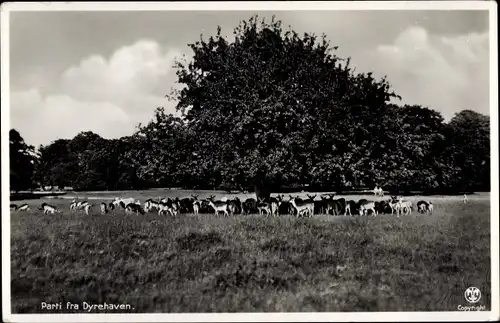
{"x":272,"y":206}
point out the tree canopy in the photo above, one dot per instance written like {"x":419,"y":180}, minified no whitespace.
{"x":270,"y":106}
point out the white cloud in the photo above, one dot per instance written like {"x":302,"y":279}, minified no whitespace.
{"x":447,"y":74}
{"x":42,"y":120}
{"x":130,"y":70}
{"x":107,"y":96}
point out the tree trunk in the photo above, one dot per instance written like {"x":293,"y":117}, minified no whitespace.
{"x":261,"y":192}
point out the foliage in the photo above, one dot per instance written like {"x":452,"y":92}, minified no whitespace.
{"x":22,"y":162}
{"x":273,"y":109}
{"x":166,"y":152}
{"x":89,"y":162}
{"x":469,"y":150}
{"x":263,"y":107}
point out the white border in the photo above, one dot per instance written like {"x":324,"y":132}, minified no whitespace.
{"x":250,"y":5}
{"x":254,"y":6}
{"x":493,"y":24}
{"x":5,"y":115}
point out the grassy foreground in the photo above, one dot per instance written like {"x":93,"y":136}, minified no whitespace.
{"x":251,"y":263}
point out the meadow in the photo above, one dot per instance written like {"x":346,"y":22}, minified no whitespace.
{"x":252,"y":263}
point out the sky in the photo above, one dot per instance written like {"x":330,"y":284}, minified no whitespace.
{"x":106,"y":72}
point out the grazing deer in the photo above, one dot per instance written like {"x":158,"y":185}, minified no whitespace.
{"x":72,"y":205}
{"x":310,"y":200}
{"x":196,"y":204}
{"x":394,"y":205}
{"x":422,"y":206}
{"x":218,"y":206}
{"x":77,"y":205}
{"x":367,"y":206}
{"x":234,"y":206}
{"x":196,"y":207}
{"x":172,"y":206}
{"x":249,"y":206}
{"x":349,"y":207}
{"x":134,"y":208}
{"x":87,"y":208}
{"x":104,"y":208}
{"x":24,"y":208}
{"x":405,"y":206}
{"x":334,"y":206}
{"x":49,"y":209}
{"x":151,"y":205}
{"x":321,"y":206}
{"x":111,"y":206}
{"x":430,"y":208}
{"x":302,"y":206}
{"x":163,"y":208}
{"x":275,"y":205}
{"x":123,"y":202}
{"x":263,"y":206}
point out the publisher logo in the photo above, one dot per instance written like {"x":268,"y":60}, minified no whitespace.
{"x":472,"y":295}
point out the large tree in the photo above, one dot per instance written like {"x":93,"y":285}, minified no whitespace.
{"x":22,"y":160}
{"x":265,"y":106}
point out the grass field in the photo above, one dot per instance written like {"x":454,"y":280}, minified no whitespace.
{"x":251,"y":263}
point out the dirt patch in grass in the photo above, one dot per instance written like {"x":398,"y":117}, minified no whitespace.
{"x":196,"y":241}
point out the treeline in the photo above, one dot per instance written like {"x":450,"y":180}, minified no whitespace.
{"x":272,"y":110}
{"x":421,"y":153}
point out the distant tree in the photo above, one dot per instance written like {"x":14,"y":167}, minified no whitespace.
{"x":468,"y":150}
{"x":81,"y":162}
{"x":164,"y":155}
{"x":22,"y":160}
{"x":406,"y":154}
{"x":56,"y":165}
{"x":262,"y":106}
{"x":87,"y":151}
{"x":119,"y":160}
